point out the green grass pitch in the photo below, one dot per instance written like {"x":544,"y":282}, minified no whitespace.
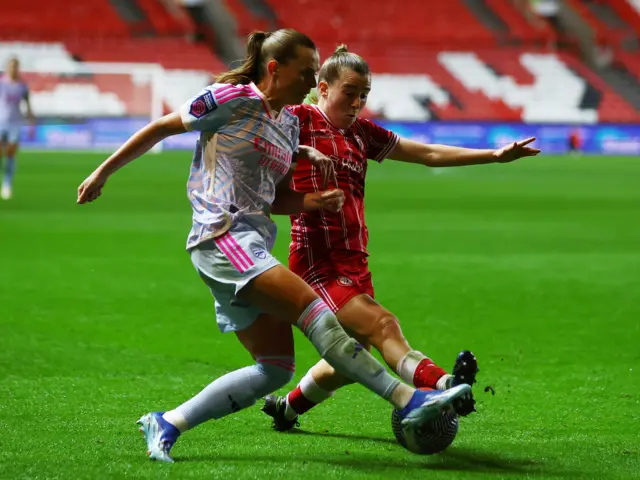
{"x":535,"y":266}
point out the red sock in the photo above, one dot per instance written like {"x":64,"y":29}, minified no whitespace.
{"x":427,"y":374}
{"x":299,"y":402}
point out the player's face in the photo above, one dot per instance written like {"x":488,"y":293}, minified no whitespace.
{"x":13,"y":68}
{"x":346,"y":97}
{"x":297,"y":77}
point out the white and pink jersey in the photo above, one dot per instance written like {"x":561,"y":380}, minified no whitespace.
{"x":241,"y":155}
{"x":12,"y":93}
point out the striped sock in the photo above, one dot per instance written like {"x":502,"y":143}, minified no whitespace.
{"x":305,"y":396}
{"x":420,"y":370}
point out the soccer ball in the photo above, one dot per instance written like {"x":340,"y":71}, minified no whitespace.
{"x":433,"y":437}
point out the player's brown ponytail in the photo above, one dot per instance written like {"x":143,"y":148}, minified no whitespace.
{"x":342,"y":59}
{"x":262,"y":47}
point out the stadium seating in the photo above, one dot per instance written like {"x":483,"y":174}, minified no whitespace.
{"x":486,"y":84}
{"x":520,"y":29}
{"x":247,"y":21}
{"x":163,"y":22}
{"x":600,"y":31}
{"x":37,"y":56}
{"x":386,"y":28}
{"x":45,"y":20}
{"x":630,"y":62}
{"x":63,"y":99}
{"x":531,"y":83}
{"x":169,"y":52}
{"x":628,"y":12}
{"x":506,"y":84}
{"x":424,"y":69}
{"x":107,"y":40}
{"x":60,"y":85}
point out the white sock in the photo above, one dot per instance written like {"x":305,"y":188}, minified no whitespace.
{"x":407,"y":368}
{"x":444,"y":382}
{"x":407,"y":365}
{"x":311,"y":391}
{"x":176,"y":419}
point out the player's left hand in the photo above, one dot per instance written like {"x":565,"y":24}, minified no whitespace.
{"x":332,"y":200}
{"x":324,"y":163}
{"x":515,"y":151}
{"x":91,"y":188}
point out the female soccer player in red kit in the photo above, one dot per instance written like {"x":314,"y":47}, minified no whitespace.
{"x":329,"y":250}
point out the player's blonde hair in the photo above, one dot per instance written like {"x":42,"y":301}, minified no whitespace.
{"x":342,"y":59}
{"x":262,"y":47}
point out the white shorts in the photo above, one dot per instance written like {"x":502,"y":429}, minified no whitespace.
{"x":230,"y":261}
{"x":10,"y":133}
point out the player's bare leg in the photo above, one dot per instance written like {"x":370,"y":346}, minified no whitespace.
{"x":369,"y":321}
{"x":285,"y":413}
{"x":380,"y":327}
{"x":286,"y":296}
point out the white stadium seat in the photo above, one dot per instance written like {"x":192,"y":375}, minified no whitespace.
{"x":554,"y":96}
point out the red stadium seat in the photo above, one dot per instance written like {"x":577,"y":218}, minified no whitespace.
{"x":521,"y":30}
{"x":165,"y":22}
{"x":43,"y":20}
{"x":627,"y":13}
{"x":447,"y":64}
{"x":93,"y":30}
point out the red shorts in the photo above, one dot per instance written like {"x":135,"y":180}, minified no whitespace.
{"x":336,"y":275}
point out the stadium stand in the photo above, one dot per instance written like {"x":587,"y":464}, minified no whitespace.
{"x":424,"y":68}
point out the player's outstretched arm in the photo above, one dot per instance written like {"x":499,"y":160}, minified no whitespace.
{"x":447,"y":156}
{"x":290,"y":202}
{"x":140,"y":143}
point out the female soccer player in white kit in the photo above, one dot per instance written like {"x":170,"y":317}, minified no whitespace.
{"x":246,"y":147}
{"x":13,"y":92}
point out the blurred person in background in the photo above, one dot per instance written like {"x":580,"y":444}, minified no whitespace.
{"x":13,"y":93}
{"x":575,"y":141}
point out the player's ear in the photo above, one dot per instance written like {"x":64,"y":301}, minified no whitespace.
{"x":323,"y":89}
{"x":272,"y":67}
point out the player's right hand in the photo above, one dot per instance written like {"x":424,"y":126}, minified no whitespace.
{"x":332,"y":200}
{"x":91,"y":188}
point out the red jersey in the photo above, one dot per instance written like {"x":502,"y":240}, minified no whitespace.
{"x":349,"y":149}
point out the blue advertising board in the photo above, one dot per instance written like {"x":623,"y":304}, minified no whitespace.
{"x":612,"y":139}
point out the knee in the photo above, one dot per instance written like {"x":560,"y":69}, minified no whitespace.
{"x":279,"y":371}
{"x":386,"y":327}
